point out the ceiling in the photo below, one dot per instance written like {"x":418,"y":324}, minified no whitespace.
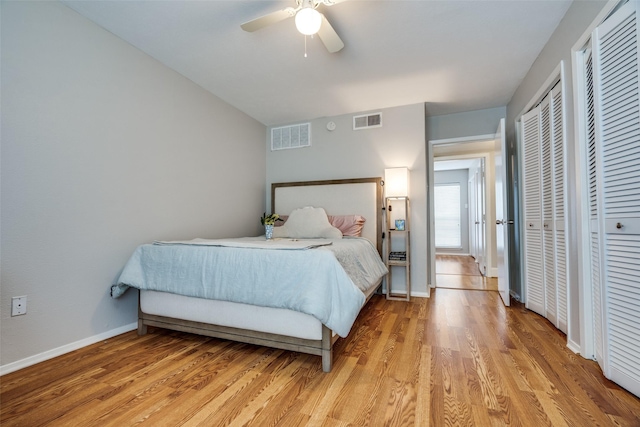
{"x":456,"y":55}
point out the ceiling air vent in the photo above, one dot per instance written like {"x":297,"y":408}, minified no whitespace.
{"x":294,"y":136}
{"x":367,"y":121}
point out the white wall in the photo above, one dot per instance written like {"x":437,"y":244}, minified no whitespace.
{"x":460,"y":125}
{"x":345,"y":153}
{"x":103,"y":148}
{"x":575,"y":22}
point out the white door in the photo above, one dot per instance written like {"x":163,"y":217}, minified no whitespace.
{"x":594,"y":232}
{"x":472,"y":217}
{"x":548,"y":209}
{"x":481,"y":219}
{"x":502,"y":225}
{"x":559,"y":217}
{"x":617,"y":104}
{"x":534,"y":288}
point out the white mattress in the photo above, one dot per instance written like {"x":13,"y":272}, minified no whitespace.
{"x":231,"y":314}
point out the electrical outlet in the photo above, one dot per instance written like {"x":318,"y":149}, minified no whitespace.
{"x":19,"y":306}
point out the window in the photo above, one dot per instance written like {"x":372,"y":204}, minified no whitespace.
{"x":447,"y":215}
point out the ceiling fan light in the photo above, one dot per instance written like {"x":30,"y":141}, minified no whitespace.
{"x":308,"y":21}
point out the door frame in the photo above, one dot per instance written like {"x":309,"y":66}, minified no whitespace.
{"x":490,"y":210}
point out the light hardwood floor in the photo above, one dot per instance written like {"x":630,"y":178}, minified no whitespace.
{"x":461,"y":272}
{"x":459,"y":358}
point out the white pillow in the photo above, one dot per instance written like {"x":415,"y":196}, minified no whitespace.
{"x":308,"y":223}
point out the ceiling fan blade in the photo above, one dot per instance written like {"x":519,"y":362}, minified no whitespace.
{"x":269,"y":19}
{"x":329,"y":36}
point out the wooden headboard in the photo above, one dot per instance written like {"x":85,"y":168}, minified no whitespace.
{"x":361,"y":196}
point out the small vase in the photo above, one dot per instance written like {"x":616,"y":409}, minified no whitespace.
{"x":268,"y":231}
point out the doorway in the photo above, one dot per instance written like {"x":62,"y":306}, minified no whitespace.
{"x":451,"y":269}
{"x":460,"y":220}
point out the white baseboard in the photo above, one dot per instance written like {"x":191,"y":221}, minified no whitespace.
{"x":419,"y":294}
{"x":493,"y":272}
{"x":414,"y":294}
{"x":573,"y":346}
{"x":452,"y":253}
{"x":50,"y":354}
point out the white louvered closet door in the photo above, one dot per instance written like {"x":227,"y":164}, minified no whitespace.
{"x":548,"y":237}
{"x":533,"y":248}
{"x":594,"y":230}
{"x":559,"y":203}
{"x":618,"y":147}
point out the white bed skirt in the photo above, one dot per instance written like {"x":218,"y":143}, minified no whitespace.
{"x":231,"y":314}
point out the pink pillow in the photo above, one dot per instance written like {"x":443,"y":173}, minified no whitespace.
{"x":350,"y":225}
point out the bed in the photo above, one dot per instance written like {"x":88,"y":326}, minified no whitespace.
{"x":281,"y":327}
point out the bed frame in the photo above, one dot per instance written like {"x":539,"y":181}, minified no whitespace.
{"x":339,"y":197}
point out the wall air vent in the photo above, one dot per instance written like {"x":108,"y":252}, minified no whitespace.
{"x":367,"y":121}
{"x":294,"y":136}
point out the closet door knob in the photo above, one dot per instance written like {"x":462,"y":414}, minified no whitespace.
{"x":619,"y":225}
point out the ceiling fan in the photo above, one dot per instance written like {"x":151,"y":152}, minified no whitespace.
{"x":308,"y":21}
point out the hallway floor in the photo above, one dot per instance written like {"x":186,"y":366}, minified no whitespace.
{"x":461,"y":272}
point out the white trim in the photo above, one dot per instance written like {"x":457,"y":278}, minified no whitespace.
{"x":420,"y":294}
{"x":452,"y":253}
{"x":573,"y":346}
{"x":582,"y":209}
{"x":493,"y":272}
{"x":68,"y":348}
{"x":604,"y":13}
{"x":476,"y":138}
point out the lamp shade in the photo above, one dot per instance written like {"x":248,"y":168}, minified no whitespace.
{"x":396,"y":182}
{"x":308,"y":21}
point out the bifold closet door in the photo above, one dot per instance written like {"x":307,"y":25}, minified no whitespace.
{"x":617,"y":101}
{"x":534,"y":293}
{"x":594,"y":228}
{"x":548,"y":218}
{"x":558,"y":217}
{"x":545,"y":253}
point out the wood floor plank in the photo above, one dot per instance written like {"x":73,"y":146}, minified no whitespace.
{"x":459,"y":358}
{"x":423,"y":395}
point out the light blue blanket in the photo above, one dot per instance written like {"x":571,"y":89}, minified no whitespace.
{"x":310,"y":281}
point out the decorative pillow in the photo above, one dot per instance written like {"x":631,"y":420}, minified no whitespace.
{"x":307,"y":223}
{"x":350,"y":225}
